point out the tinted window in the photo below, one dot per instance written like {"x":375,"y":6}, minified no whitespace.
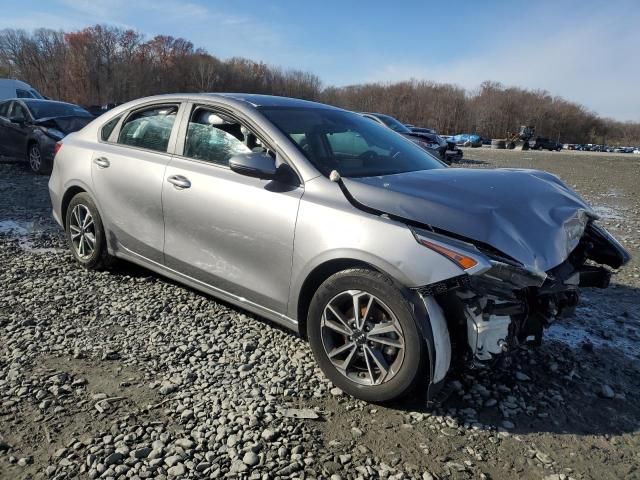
{"x":349,"y":143}
{"x":18,"y":111}
{"x":214,"y":138}
{"x":4,"y":109}
{"x":108,"y":128}
{"x":23,"y":94}
{"x":46,"y":109}
{"x":149,"y":128}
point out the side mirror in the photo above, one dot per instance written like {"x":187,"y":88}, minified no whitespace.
{"x":254,"y":164}
{"x":18,"y":120}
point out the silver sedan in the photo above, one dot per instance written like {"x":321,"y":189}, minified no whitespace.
{"x":391,"y":264}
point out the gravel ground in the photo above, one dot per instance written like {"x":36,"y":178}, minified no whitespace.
{"x":124,"y":374}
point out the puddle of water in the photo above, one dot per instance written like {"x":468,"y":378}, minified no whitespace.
{"x":608,"y":213}
{"x":614,"y":192}
{"x":20,"y":230}
{"x":17,"y":229}
{"x":574,"y":335}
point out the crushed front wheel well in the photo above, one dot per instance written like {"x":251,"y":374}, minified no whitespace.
{"x":315,"y":279}
{"x":66,"y":200}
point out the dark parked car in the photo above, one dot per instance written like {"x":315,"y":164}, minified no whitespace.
{"x":547,"y":144}
{"x":431,"y":145}
{"x":30,"y":128}
{"x":420,"y":129}
{"x":452,"y":152}
{"x":97,"y":110}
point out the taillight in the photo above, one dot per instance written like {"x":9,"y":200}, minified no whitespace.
{"x":57,"y":148}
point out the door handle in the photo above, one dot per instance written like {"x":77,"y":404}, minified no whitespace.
{"x":102,"y":162}
{"x":179,"y":181}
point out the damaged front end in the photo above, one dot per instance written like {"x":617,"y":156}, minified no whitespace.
{"x":524,"y":243}
{"x":500,"y":303}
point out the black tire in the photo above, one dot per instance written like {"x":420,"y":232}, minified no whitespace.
{"x":37,"y":162}
{"x":99,"y":257}
{"x":410,"y":373}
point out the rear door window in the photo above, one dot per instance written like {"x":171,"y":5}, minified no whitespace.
{"x":149,"y":128}
{"x":18,"y":111}
{"x":4,"y":109}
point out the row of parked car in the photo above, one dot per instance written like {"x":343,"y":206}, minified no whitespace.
{"x":445,"y":150}
{"x":592,"y":147}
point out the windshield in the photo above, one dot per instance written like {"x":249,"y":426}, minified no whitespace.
{"x":349,"y":143}
{"x":46,"y":109}
{"x":392,"y":123}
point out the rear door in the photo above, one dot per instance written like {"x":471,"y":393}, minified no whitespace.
{"x":128,"y":172}
{"x":227,"y":230}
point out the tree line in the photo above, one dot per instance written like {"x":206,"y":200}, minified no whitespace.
{"x":104,"y":64}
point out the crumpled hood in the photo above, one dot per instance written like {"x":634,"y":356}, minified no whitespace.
{"x":66,"y":124}
{"x":528,"y":215}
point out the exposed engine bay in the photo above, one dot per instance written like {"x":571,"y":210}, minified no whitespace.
{"x":506,"y":305}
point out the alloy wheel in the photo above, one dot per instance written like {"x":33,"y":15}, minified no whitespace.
{"x":362,"y":337}
{"x":35,"y":158}
{"x":83,"y":231}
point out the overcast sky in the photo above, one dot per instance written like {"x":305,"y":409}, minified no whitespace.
{"x":586,"y":51}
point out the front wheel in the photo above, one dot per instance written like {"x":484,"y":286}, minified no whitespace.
{"x":364,"y":336}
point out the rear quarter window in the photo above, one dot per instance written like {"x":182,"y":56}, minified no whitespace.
{"x":108,"y":127}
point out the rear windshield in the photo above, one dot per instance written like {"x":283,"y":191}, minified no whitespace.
{"x":46,"y":109}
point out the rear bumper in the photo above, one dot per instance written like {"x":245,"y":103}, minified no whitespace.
{"x":55,"y":194}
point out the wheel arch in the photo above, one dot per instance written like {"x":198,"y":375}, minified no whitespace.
{"x":315,"y":278}
{"x":429,"y":315}
{"x":71,"y":192}
{"x":30,"y":141}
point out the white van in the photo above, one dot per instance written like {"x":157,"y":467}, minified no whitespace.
{"x":17,"y":89}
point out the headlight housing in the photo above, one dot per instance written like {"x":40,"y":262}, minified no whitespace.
{"x":464,"y":255}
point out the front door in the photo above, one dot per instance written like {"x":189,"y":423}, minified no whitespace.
{"x":230,"y":231}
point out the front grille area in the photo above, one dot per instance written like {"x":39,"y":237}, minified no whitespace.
{"x":461,"y":281}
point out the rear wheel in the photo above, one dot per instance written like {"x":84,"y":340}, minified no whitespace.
{"x":85,"y":233}
{"x":364,"y":336}
{"x":37,"y":162}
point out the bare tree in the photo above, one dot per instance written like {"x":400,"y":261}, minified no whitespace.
{"x":102,"y":64}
